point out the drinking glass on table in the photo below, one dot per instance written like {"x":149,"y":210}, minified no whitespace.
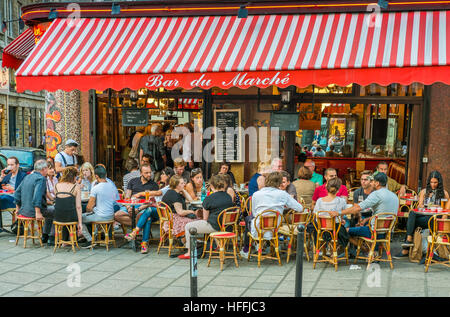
{"x":443,"y":202}
{"x":360,"y":198}
{"x":147,"y":195}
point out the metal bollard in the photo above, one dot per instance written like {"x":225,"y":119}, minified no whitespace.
{"x":299,"y":261}
{"x":193,"y":261}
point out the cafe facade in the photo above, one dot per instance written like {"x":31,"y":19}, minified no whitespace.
{"x":372,"y":82}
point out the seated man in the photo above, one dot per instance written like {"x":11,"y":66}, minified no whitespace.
{"x":31,"y":196}
{"x":392,"y":185}
{"x":321,"y":191}
{"x":10,"y":179}
{"x":137,"y":188}
{"x":287,"y":186}
{"x":101,"y":203}
{"x":315,"y":178}
{"x":268,"y":197}
{"x":361,"y":193}
{"x":380,"y":200}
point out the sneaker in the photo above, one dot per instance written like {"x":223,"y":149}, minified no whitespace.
{"x":244,"y":254}
{"x":144,"y":247}
{"x":50,"y":242}
{"x":87,"y":245}
{"x":401,"y":255}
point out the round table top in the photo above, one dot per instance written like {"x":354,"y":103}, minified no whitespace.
{"x":128,"y":202}
{"x":410,"y":198}
{"x":429,"y":212}
{"x":196,"y":202}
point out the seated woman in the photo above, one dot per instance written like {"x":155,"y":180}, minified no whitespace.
{"x":213,"y":205}
{"x":68,"y":200}
{"x":304,"y":186}
{"x":86,"y":179}
{"x":194,"y":187}
{"x":175,"y":198}
{"x":331,"y":202}
{"x":230,"y":190}
{"x":52,"y":180}
{"x":163,"y":183}
{"x":225,"y":169}
{"x":431,"y":195}
{"x":258,"y":179}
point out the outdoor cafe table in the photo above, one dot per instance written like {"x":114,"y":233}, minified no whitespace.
{"x":133,"y":205}
{"x":429,"y":212}
{"x":4,"y":192}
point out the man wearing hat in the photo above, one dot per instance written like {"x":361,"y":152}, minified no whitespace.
{"x":67,"y":157}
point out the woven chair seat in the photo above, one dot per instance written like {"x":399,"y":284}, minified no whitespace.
{"x":439,"y":240}
{"x":242,"y":223}
{"x":284,"y":229}
{"x":220,"y":234}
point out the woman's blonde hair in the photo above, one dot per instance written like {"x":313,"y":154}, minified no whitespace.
{"x":88,"y":166}
{"x":175,"y":181}
{"x":265,"y":167}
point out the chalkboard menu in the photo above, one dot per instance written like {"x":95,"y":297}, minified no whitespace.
{"x":228,"y":137}
{"x":285,"y":122}
{"x":134,"y":117}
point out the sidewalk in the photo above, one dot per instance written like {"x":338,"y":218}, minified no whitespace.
{"x":36,"y":271}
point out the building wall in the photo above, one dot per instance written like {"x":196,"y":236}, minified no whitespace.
{"x":29,"y":106}
{"x":438,"y":149}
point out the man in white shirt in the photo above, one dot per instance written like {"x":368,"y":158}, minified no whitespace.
{"x":269,"y":197}
{"x":101,"y":203}
{"x":66,"y":157}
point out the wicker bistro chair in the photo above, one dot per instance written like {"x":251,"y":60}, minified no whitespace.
{"x":12,"y":212}
{"x":383,"y":225}
{"x":227,"y":218}
{"x":99,"y":227}
{"x":267,"y":221}
{"x":292,"y":220}
{"x":29,"y":225}
{"x":440,"y":237}
{"x":324,"y":223}
{"x":166,"y":215}
{"x":350,"y":194}
{"x":72,"y":228}
{"x":405,"y":206}
{"x":246,"y":207}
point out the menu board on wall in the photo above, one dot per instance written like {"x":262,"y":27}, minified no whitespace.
{"x":227,"y":140}
{"x":134,"y":117}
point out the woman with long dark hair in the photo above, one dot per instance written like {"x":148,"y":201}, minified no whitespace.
{"x":429,"y":196}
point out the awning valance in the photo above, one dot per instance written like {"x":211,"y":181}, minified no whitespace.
{"x":227,"y":51}
{"x":16,"y":51}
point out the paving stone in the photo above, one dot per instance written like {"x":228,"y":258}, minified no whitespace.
{"x":135,"y":273}
{"x":264,"y":286}
{"x":185,"y":280}
{"x":54,"y":278}
{"x":266,"y":278}
{"x":174,"y":271}
{"x":338,"y":284}
{"x":111,"y":287}
{"x":143,"y":291}
{"x":42,"y":268}
{"x":285,"y":294}
{"x":257,"y":293}
{"x":25,"y":258}
{"x":17,"y":293}
{"x":397,"y":293}
{"x":110,"y":265}
{"x":221,"y":291}
{"x":158,"y":282}
{"x":19,"y":277}
{"x":62,"y":290}
{"x":36,"y":287}
{"x":174,"y":291}
{"x":233,"y":281}
{"x":6,"y":287}
{"x":332,"y":293}
{"x":5,"y":267}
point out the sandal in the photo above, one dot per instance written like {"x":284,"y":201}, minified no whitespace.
{"x":132,"y":235}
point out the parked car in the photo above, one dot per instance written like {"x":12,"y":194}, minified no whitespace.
{"x":3,"y":162}
{"x":27,"y":156}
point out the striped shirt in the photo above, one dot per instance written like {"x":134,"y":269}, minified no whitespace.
{"x":130,"y":176}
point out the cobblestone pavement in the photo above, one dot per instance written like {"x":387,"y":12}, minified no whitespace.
{"x":36,"y":271}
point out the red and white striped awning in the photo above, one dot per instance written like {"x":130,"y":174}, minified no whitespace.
{"x":16,"y":51}
{"x":227,"y":51}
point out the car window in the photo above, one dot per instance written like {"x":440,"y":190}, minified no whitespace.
{"x":25,"y":158}
{"x":3,"y":162}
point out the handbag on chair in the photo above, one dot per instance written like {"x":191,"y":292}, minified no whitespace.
{"x":415,"y":253}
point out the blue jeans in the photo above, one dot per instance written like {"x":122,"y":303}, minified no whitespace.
{"x":7,"y":201}
{"x":145,"y":221}
{"x":364,"y":232}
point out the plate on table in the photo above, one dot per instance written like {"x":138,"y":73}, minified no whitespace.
{"x":196,"y":202}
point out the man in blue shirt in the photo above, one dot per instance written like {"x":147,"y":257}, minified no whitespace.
{"x":10,"y":179}
{"x":30,"y":196}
